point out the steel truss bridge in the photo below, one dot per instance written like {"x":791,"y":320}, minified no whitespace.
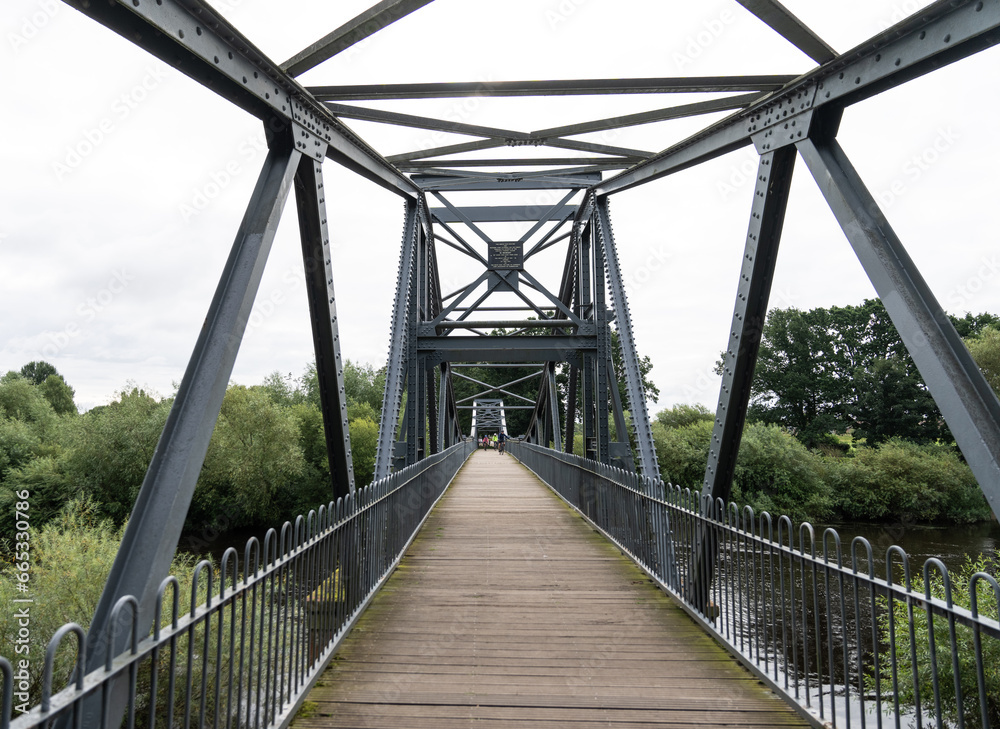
{"x":702,"y":551}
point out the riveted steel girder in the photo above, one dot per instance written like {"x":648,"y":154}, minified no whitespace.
{"x":940,"y":34}
{"x":197,"y":40}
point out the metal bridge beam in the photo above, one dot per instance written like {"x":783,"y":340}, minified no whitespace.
{"x":197,"y":40}
{"x":939,"y":34}
{"x":958,"y":386}
{"x":311,"y":204}
{"x":774,"y":179}
{"x":626,"y":339}
{"x":392,"y":396}
{"x":154,"y":527}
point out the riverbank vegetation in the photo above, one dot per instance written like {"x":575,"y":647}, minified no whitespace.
{"x":840,"y":424}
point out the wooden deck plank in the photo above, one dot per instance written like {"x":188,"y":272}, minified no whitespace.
{"x":510,"y":609}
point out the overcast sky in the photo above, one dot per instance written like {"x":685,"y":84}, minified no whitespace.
{"x":124,"y":181}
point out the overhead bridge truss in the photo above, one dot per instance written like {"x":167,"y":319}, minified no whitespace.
{"x":559,"y":327}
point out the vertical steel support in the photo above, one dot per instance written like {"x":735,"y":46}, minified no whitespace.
{"x":432,"y":413}
{"x":587,"y":360}
{"x":392,"y":397}
{"x":774,"y":179}
{"x":314,"y":233}
{"x":413,"y":364}
{"x":154,"y":528}
{"x":444,"y":416}
{"x":966,"y":400}
{"x":626,"y":340}
{"x":574,"y":374}
{"x":767,"y":215}
{"x":603,"y":347}
{"x":554,"y":407}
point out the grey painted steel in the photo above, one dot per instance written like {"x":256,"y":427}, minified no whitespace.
{"x":708,"y":84}
{"x":314,"y":233}
{"x":960,"y":390}
{"x":557,"y":441}
{"x":500,"y":213}
{"x":154,"y":527}
{"x":354,"y":31}
{"x":506,"y":181}
{"x":286,"y":609}
{"x":447,"y":149}
{"x":606,"y":162}
{"x":791,"y":28}
{"x":917,"y":43}
{"x":603,"y":356}
{"x":197,"y":40}
{"x":649,"y":117}
{"x":626,"y":340}
{"x":774,"y":178}
{"x":505,"y":349}
{"x":392,"y":397}
{"x":574,"y":375}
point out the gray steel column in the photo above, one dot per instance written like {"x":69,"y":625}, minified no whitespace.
{"x":767,"y":215}
{"x":574,"y":374}
{"x":966,"y":400}
{"x":154,"y":528}
{"x":432,"y":414}
{"x":310,"y":199}
{"x":587,"y":360}
{"x":603,"y":348}
{"x":774,"y":179}
{"x":626,"y":340}
{"x":444,"y":417}
{"x":554,"y":407}
{"x":413,"y":369}
{"x":395,"y":373}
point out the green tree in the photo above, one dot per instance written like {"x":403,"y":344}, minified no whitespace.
{"x":59,"y":394}
{"x":777,"y":473}
{"x":985,"y":350}
{"x":38,"y":372}
{"x":110,"y":450}
{"x":681,"y":415}
{"x":830,"y":370}
{"x":252,"y":457}
{"x":21,"y":400}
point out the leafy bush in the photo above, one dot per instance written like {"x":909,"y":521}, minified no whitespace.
{"x":776,"y":473}
{"x":900,"y":479}
{"x":71,"y":557}
{"x":961,"y":596}
{"x":680,"y":415}
{"x":683,"y":452}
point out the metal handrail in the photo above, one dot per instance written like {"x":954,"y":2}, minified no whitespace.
{"x":248,"y":655}
{"x":828,"y":636}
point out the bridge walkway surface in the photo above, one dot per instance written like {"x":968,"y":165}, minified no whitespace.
{"x":510,"y":609}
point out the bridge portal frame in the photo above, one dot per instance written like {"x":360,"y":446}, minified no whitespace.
{"x":304,"y":128}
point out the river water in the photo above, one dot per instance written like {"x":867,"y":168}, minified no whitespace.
{"x":951,"y":544}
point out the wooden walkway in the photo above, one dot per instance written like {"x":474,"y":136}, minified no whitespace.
{"x":509,"y":609}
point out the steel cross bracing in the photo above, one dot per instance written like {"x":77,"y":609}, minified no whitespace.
{"x":515,"y":312}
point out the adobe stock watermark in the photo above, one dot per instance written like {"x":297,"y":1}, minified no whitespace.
{"x":740,"y":174}
{"x":32,"y":25}
{"x":697,"y":43}
{"x":561,"y":12}
{"x":962,"y":295}
{"x":222,"y":177}
{"x":91,"y":137}
{"x":87,"y":311}
{"x":918,"y":165}
{"x":708,"y":381}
